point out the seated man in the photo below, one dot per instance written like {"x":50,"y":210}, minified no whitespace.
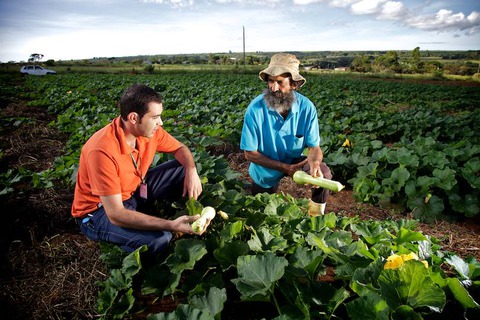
{"x":279,"y":124}
{"x":114,"y":177}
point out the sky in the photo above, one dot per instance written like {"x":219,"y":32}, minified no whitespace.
{"x":84,"y":29}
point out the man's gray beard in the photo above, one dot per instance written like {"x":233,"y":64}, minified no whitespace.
{"x":278,"y":101}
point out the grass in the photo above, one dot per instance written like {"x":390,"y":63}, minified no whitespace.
{"x":208,"y":68}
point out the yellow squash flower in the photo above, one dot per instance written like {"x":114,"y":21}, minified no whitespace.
{"x":347,"y":144}
{"x":395,"y":260}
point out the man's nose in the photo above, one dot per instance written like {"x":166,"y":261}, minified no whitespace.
{"x":274,"y":86}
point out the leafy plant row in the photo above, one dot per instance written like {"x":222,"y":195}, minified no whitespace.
{"x":410,"y":144}
{"x":269,"y":259}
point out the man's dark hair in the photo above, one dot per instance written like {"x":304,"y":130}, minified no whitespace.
{"x":295,"y":84}
{"x":136,"y":99}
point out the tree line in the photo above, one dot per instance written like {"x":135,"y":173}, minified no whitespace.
{"x":465,"y":63}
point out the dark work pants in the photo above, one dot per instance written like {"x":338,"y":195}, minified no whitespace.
{"x":164,"y":181}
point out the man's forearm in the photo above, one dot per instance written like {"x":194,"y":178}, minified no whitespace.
{"x":185,"y":157}
{"x":259,"y":158}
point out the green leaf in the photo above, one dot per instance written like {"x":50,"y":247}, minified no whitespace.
{"x":470,"y":172}
{"x":370,"y":306}
{"x":411,"y":285}
{"x":405,"y":313}
{"x":123,"y":305}
{"x":258,"y":274}
{"x":131,"y":263}
{"x":307,"y":260}
{"x":407,"y":158}
{"x":214,"y":301}
{"x":272,"y":206}
{"x":319,"y":240}
{"x":461,"y":294}
{"x":397,"y":179}
{"x":228,"y":254}
{"x":372,"y":231}
{"x":461,"y":266}
{"x":160,"y":281}
{"x":427,"y":211}
{"x":194,"y":207}
{"x":404,"y":236}
{"x":445,"y":178}
{"x":187,"y":252}
{"x":263,"y":240}
{"x":364,"y":280}
{"x":117,"y":297}
{"x":341,"y":294}
{"x":183,"y":312}
{"x":328,"y":220}
{"x":232,"y":229}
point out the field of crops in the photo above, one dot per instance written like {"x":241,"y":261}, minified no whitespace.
{"x":404,"y":144}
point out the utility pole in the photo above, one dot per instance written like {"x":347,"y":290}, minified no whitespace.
{"x":244,"y":59}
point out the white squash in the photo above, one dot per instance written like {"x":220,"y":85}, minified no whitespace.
{"x":199,"y":225}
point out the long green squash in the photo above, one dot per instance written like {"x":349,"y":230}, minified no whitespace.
{"x":302,"y":177}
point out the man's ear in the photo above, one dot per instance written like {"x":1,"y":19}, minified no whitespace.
{"x":133,"y":117}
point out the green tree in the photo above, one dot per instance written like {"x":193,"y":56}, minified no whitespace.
{"x":50,"y":63}
{"x":35,"y":57}
{"x":416,"y":65}
{"x":361,"y":63}
{"x":387,"y":62}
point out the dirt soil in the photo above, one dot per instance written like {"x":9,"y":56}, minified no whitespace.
{"x":49,"y":270}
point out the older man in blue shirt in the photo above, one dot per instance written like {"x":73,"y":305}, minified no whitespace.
{"x":279,"y":124}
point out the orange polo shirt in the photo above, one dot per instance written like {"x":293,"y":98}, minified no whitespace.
{"x":106,"y":166}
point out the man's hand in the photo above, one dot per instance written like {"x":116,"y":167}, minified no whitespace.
{"x":183,"y":223}
{"x":315,"y":158}
{"x":192,"y":186}
{"x":296,"y":167}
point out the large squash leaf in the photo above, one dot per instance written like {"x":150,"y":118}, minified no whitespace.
{"x":411,"y":285}
{"x":258,"y":274}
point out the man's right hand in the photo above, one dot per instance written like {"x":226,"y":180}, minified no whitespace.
{"x":184,"y":224}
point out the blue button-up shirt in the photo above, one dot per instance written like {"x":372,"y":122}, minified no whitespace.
{"x":266,"y":131}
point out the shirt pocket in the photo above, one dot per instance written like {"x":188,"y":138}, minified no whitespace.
{"x":294,"y":144}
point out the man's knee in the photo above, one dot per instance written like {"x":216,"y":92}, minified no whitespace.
{"x":159,"y":244}
{"x":327,"y":173}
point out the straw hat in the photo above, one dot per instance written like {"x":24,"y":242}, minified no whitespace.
{"x":282,"y":63}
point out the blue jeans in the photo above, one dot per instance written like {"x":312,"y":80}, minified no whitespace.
{"x":164,"y":182}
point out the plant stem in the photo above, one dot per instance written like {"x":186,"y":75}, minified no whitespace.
{"x":276,"y":303}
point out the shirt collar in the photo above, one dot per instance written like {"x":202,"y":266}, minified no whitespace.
{"x":120,"y":134}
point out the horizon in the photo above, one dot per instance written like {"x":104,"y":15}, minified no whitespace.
{"x":240,"y":53}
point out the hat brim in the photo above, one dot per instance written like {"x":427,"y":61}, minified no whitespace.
{"x":277,"y":70}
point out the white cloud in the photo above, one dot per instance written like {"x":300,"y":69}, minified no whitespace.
{"x":175,"y":3}
{"x":443,"y":20}
{"x":446,"y":20}
{"x":392,"y":10}
{"x":367,"y":6}
{"x":342,"y":3}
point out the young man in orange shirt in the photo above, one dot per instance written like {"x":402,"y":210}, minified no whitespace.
{"x":114,"y":177}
